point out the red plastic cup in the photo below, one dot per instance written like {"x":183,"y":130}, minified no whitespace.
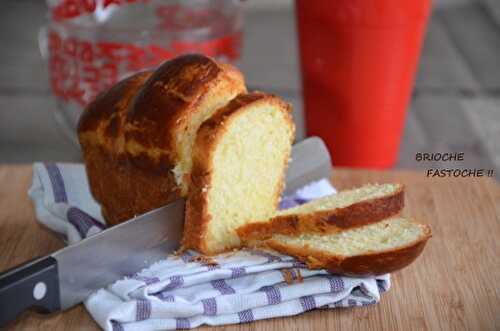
{"x":358,"y":61}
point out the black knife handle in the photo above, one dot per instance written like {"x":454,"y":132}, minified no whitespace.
{"x":34,"y":284}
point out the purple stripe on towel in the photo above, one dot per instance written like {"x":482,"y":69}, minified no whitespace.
{"x":298,"y":264}
{"x":293,"y":273}
{"x":82,"y":221}
{"x":336,"y":284}
{"x":238,"y":272}
{"x":308,"y":303}
{"x":209,"y":306}
{"x":117,"y":326}
{"x":143,"y":310}
{"x":146,"y":280}
{"x":273,"y":294}
{"x":165,"y":297}
{"x":246,"y":316}
{"x":175,"y":282}
{"x":182,"y":323}
{"x":57,"y":182}
{"x":223,"y":287}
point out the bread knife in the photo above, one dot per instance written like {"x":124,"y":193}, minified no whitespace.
{"x":67,"y":277}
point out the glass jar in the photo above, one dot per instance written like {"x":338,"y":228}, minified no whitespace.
{"x":91,"y":44}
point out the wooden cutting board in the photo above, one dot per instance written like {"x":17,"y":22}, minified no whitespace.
{"x":453,"y":285}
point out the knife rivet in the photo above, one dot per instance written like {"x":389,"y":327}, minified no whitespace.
{"x":39,"y":290}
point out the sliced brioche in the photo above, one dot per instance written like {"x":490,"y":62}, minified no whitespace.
{"x":137,"y":137}
{"x":373,"y":249}
{"x":239,"y":161}
{"x":337,"y":212}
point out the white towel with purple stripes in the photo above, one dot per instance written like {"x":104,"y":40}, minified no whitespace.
{"x":183,"y":293}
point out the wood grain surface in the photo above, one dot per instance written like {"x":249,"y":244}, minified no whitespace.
{"x":453,"y":285}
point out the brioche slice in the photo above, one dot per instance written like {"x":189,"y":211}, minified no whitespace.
{"x":373,"y":249}
{"x":239,"y":160}
{"x":337,"y":212}
{"x":137,"y":137}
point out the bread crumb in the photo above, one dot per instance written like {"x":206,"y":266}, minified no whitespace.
{"x":287,"y":275}
{"x":207,"y":260}
{"x":292,"y":276}
{"x":300,"y":279}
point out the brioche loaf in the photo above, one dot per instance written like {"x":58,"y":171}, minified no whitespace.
{"x":190,"y":129}
{"x":346,"y":209}
{"x":373,"y":249}
{"x":239,"y":162}
{"x":137,"y":137}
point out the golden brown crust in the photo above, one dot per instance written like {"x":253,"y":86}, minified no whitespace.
{"x":125,"y":191}
{"x":111,"y":103}
{"x":208,"y":136}
{"x":329,"y":221}
{"x":164,"y":105}
{"x":146,"y":109}
{"x":99,"y":131}
{"x":372,"y":264}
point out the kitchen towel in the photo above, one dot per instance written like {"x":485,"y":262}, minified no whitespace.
{"x":186,"y":291}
